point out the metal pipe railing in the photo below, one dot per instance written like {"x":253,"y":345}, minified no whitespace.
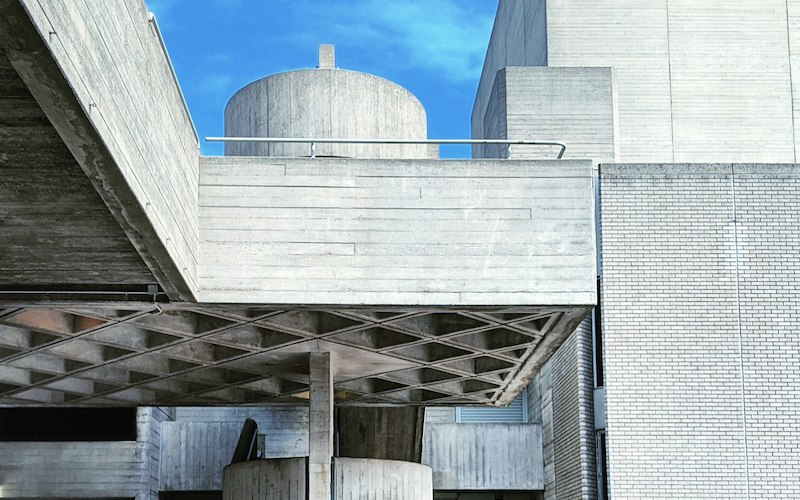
{"x":313,"y":141}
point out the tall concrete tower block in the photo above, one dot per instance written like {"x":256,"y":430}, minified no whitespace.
{"x":325,"y":102}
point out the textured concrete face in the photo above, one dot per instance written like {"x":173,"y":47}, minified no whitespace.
{"x":86,"y":469}
{"x":327,"y":58}
{"x":410,"y":232}
{"x":108,"y":90}
{"x":325,"y":103}
{"x":484,"y":456}
{"x":699,"y":297}
{"x":380,"y":432}
{"x":320,"y":425}
{"x":574,"y":105}
{"x":278,"y":478}
{"x":49,"y":207}
{"x":560,"y":400}
{"x":359,"y":478}
{"x":695,"y":83}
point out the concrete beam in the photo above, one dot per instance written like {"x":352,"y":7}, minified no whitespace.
{"x":320,"y":426}
{"x":38,"y":41}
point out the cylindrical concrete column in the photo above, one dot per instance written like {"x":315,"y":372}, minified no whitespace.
{"x":325,"y":103}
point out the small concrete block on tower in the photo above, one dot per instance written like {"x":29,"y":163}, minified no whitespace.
{"x":327,"y":59}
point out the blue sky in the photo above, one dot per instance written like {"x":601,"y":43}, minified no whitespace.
{"x":433,"y":48}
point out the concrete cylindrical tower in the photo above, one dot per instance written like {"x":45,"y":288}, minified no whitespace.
{"x":325,"y":103}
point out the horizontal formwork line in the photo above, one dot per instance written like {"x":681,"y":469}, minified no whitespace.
{"x":310,"y":191}
{"x":543,"y":261}
{"x":400,"y":192}
{"x":308,"y":224}
{"x":333,"y":181}
{"x":409,"y":286}
{"x":439,"y":170}
{"x":218,"y":273}
{"x":240,"y":251}
{"x":397,"y":237}
{"x":403,"y":299}
{"x":425,"y":203}
{"x":377,"y":213}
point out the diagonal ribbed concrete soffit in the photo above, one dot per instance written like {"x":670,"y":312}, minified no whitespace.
{"x":225,"y":356}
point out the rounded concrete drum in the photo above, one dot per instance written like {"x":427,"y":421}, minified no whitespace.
{"x":359,"y":478}
{"x":325,"y":103}
{"x":273,"y":479}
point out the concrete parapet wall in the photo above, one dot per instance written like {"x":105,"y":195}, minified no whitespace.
{"x":699,"y":298}
{"x":402,"y":232}
{"x":359,"y":478}
{"x":118,"y":108}
{"x":71,"y":470}
{"x":80,"y":470}
{"x":484,"y":456}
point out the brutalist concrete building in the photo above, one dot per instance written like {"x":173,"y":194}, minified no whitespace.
{"x":352,"y":317}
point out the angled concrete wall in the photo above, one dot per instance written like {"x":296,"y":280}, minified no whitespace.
{"x":411,"y":232}
{"x":519,"y":38}
{"x":98,"y":70}
{"x":699,"y":297}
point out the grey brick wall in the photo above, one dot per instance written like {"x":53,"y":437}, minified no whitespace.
{"x":768,"y":218}
{"x":673,"y":256}
{"x":560,"y":399}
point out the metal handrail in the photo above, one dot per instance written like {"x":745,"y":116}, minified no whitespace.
{"x":312,"y":141}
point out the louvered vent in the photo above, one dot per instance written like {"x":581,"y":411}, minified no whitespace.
{"x":515,"y":413}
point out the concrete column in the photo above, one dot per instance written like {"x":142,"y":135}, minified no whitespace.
{"x":320,"y":426}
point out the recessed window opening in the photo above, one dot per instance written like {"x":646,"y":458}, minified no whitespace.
{"x":67,"y":424}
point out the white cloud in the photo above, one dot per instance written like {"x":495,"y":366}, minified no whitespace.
{"x":447,"y":37}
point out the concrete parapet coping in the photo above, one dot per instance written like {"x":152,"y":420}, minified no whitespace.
{"x":698,"y":169}
{"x":461,"y":167}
